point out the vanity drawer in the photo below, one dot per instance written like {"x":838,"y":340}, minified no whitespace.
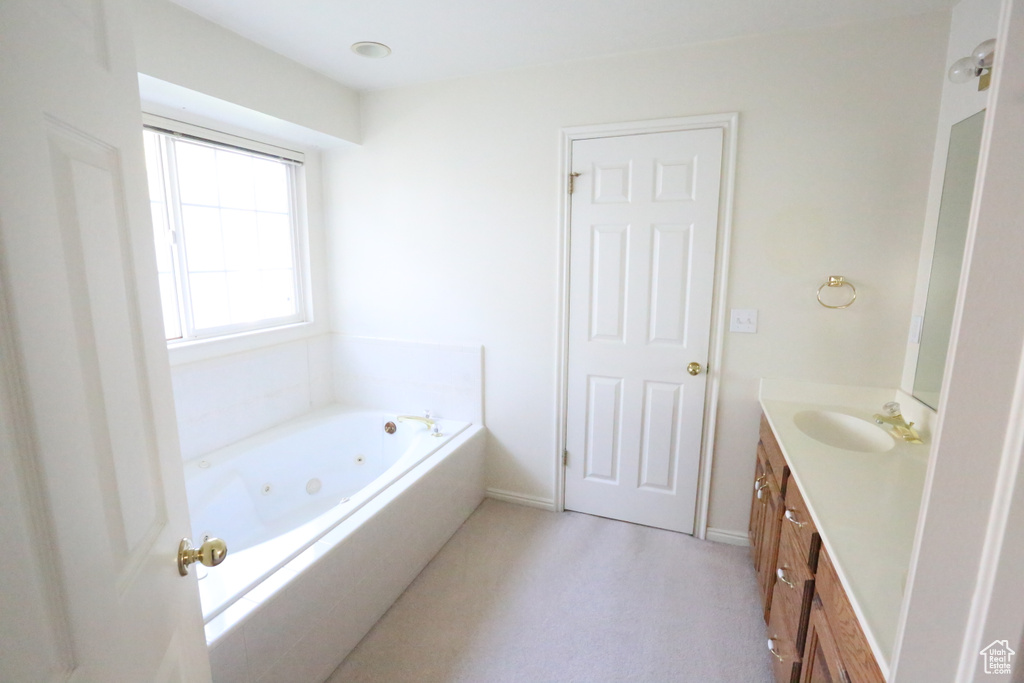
{"x":782,"y":646}
{"x":794,"y":587}
{"x":774,"y":454}
{"x":797,"y":518}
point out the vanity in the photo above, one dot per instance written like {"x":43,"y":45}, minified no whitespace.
{"x":834,"y":511}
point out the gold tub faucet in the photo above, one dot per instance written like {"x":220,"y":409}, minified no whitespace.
{"x":416,"y":418}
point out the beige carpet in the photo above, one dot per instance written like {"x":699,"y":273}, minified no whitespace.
{"x":525,"y":595}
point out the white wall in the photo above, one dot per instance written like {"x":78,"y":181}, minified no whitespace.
{"x":177,"y":46}
{"x":448,"y":224}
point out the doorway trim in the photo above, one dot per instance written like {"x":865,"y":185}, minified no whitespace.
{"x":728,"y":122}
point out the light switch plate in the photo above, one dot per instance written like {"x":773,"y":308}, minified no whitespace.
{"x":743,"y":320}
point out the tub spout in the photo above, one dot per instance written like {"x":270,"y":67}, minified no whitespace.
{"x":416,"y":418}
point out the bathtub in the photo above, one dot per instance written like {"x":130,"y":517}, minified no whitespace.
{"x":327,"y":519}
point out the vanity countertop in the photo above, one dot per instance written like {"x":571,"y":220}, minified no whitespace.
{"x":865,"y":505}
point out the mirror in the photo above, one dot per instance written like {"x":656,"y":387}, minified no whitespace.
{"x":950,"y":239}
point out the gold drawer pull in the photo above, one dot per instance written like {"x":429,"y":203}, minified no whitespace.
{"x":771,"y":648}
{"x":780,"y":572}
{"x":792,"y":518}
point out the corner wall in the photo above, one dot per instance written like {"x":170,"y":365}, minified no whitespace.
{"x":448,"y":222}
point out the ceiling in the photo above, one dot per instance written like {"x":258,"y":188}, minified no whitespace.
{"x":440,"y":39}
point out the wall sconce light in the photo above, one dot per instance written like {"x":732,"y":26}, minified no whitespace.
{"x":977,"y":65}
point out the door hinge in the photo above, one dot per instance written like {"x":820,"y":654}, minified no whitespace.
{"x":572,"y":181}
{"x":565,"y":458}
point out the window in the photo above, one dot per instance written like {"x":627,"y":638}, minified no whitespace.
{"x":226,"y":231}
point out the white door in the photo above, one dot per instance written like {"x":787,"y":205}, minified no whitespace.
{"x":92,"y":499}
{"x":644,"y":222}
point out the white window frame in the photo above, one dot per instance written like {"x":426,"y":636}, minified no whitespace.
{"x":299,"y":230}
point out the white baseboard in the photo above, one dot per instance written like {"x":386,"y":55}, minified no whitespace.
{"x":521,"y":499}
{"x":727,"y":536}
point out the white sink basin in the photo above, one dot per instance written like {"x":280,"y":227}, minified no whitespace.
{"x":840,"y":430}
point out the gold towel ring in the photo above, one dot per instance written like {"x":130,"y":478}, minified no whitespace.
{"x":838,"y":281}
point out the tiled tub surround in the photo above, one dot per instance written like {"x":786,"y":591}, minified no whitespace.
{"x":336,"y":574}
{"x":864,"y":505}
{"x":230,"y":397}
{"x":409,"y":377}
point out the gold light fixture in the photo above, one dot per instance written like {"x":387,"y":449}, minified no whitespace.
{"x":977,"y":65}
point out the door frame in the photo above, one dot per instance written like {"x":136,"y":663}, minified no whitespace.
{"x":728,"y":122}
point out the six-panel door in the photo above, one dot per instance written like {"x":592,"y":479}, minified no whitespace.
{"x":642,"y":255}
{"x":91,"y":480}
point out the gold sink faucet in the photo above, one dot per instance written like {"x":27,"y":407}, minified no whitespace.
{"x":900,"y":427}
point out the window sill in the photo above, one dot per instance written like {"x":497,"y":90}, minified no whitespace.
{"x":180,"y":353}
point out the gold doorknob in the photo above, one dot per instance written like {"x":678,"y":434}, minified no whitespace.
{"x":693,"y":368}
{"x":211,"y":553}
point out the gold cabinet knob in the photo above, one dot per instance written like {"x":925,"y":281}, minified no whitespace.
{"x":693,"y":368}
{"x":211,"y":553}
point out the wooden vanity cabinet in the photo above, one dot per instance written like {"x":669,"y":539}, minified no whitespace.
{"x":813,"y":634}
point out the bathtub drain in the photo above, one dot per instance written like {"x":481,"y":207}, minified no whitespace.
{"x":266,"y":489}
{"x":313,"y":486}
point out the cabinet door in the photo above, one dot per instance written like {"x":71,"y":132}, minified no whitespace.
{"x":822,"y":661}
{"x":859,"y":664}
{"x":773,"y":509}
{"x":756,"y":529}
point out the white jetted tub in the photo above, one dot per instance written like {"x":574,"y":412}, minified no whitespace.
{"x":327,"y":519}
